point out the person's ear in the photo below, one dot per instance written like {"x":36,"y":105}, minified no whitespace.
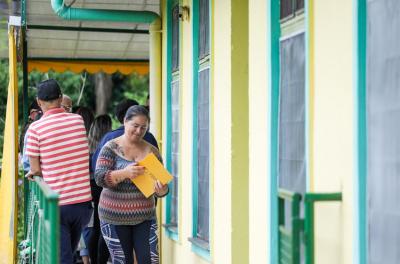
{"x":39,"y":102}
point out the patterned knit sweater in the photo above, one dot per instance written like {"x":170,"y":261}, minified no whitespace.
{"x":121,"y":204}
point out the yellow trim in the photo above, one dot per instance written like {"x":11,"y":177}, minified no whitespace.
{"x":310,"y":28}
{"x":179,"y":74}
{"x":240,"y":131}
{"x":9,"y":173}
{"x":124,"y":67}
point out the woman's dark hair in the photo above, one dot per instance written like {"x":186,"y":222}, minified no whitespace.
{"x":87,"y":116}
{"x":136,"y":110}
{"x":122,"y":107}
{"x":101,"y":125}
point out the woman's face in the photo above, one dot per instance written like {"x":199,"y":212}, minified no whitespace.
{"x":136,"y":127}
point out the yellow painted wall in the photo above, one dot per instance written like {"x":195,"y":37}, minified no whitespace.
{"x":221,"y":52}
{"x":220,"y":227}
{"x":175,"y":252}
{"x":258,"y":124}
{"x":333,"y":142}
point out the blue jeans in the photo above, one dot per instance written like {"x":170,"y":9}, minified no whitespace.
{"x":73,"y":218}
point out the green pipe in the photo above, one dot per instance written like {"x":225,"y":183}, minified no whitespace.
{"x":71,"y":13}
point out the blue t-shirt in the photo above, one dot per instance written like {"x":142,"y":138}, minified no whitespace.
{"x":114,"y":134}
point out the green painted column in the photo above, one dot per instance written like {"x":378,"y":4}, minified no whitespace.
{"x":240,"y":130}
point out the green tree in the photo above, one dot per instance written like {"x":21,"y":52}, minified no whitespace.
{"x":132,"y":86}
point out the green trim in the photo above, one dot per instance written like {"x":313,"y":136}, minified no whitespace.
{"x":309,"y":200}
{"x":202,"y":251}
{"x":88,"y":29}
{"x":23,"y":13}
{"x":240,"y":131}
{"x":87,"y":14}
{"x":170,"y":233}
{"x":25,"y":76}
{"x":289,"y":233}
{"x":360,"y":181}
{"x":195,"y":65}
{"x":273,"y":13}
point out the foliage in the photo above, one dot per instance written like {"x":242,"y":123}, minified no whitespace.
{"x":134,"y":86}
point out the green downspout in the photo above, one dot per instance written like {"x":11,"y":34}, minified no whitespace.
{"x":145,"y":17}
{"x":70,"y":13}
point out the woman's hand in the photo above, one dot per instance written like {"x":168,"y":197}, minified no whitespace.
{"x":133,"y":171}
{"x":160,"y":189}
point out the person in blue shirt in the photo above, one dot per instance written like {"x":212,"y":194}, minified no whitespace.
{"x":120,"y":111}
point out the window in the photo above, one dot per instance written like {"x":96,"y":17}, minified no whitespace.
{"x":201,"y":128}
{"x":383,"y":129}
{"x":203,"y":154}
{"x":292,"y":167}
{"x":175,"y":38}
{"x":289,"y":8}
{"x":173,"y":154}
{"x":292,"y":107}
{"x":204,"y":29}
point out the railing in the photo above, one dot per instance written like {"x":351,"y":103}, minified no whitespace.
{"x":41,"y":244}
{"x":290,"y":238}
{"x":309,"y":201}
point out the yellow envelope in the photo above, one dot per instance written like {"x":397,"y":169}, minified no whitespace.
{"x":154,"y":170}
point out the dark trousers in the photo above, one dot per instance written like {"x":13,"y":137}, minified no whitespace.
{"x":98,"y":250}
{"x":73,"y":218}
{"x":122,"y":240}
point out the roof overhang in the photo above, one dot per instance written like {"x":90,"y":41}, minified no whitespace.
{"x":53,"y":41}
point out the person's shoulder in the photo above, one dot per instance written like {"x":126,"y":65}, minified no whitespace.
{"x":72,"y":116}
{"x":114,"y":133}
{"x":155,"y":151}
{"x":148,"y":136}
{"x":111,"y":144}
{"x":35,"y":124}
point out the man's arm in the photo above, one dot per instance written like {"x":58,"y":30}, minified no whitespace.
{"x":35,"y":168}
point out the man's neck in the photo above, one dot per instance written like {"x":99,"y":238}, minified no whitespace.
{"x":48,"y":108}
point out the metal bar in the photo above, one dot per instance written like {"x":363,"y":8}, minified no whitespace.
{"x":318,"y":197}
{"x":296,"y":229}
{"x":287,"y":195}
{"x":309,"y":200}
{"x":54,"y":232}
{"x":23,"y":13}
{"x":25,"y":95}
{"x":89,"y":29}
{"x":289,"y":239}
{"x":45,"y":189}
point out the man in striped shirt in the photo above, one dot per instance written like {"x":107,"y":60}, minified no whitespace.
{"x":57,"y":147}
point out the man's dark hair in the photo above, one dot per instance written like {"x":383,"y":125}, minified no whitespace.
{"x":122,"y":107}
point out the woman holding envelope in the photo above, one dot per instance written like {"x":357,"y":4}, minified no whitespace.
{"x":124,"y":211}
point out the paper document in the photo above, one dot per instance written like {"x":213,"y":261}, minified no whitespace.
{"x":154,"y":170}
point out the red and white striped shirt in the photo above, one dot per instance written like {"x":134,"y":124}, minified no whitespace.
{"x":59,"y":140}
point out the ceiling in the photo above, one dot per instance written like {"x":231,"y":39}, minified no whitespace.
{"x":131,"y":44}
